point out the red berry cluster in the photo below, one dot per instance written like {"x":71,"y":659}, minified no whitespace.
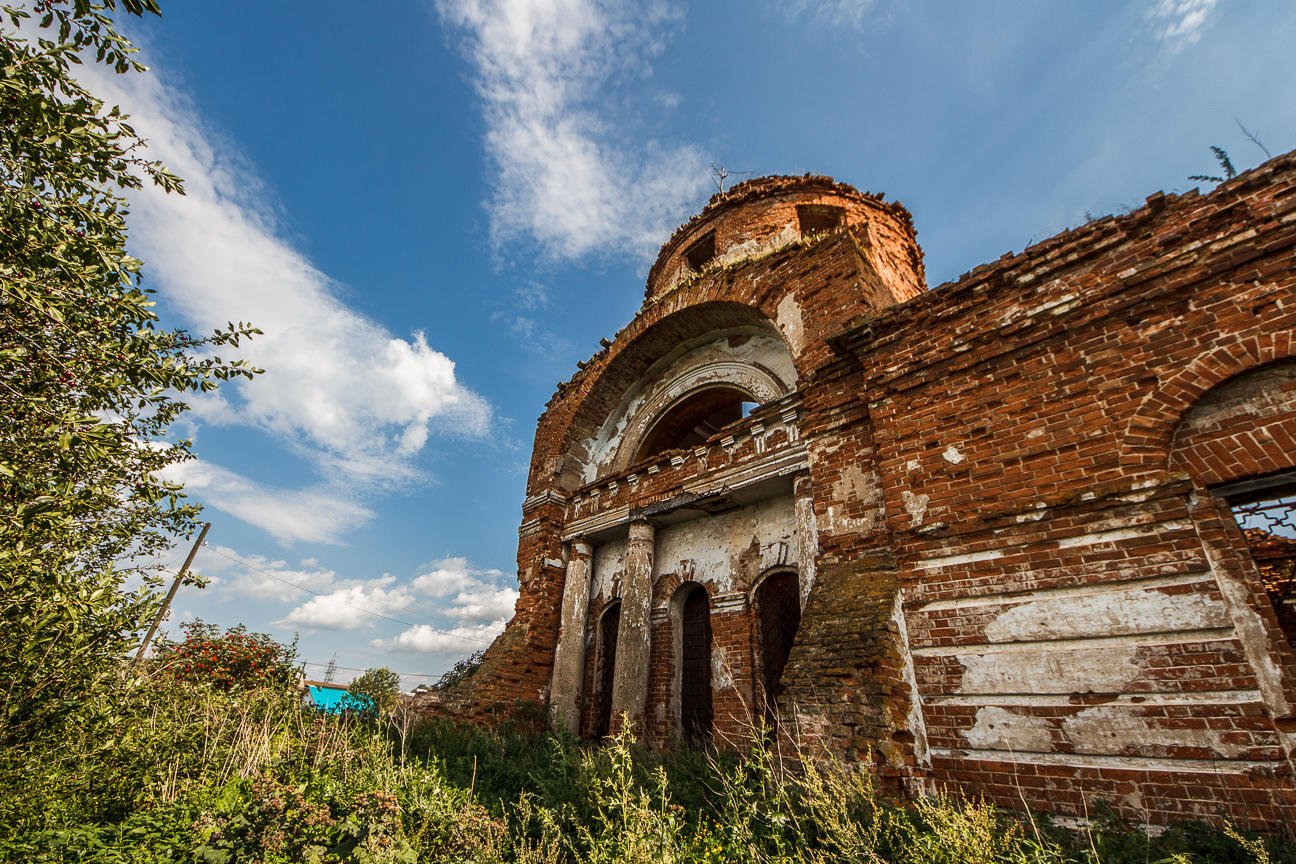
{"x":227,"y":661}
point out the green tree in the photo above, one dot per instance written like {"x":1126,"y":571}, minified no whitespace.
{"x":375,"y":693}
{"x":89,"y":382}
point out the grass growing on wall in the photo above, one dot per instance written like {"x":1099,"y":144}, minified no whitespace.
{"x":197,"y":774}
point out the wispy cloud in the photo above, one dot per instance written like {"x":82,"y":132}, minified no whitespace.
{"x":256,"y":577}
{"x":840,"y":13}
{"x":562,"y":177}
{"x":1179,"y":23}
{"x":341,"y":391}
{"x":321,"y":514}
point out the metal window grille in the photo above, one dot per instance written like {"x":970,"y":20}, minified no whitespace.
{"x":1270,"y":530}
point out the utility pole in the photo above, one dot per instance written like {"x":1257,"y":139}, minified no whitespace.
{"x":331,"y":669}
{"x":166,"y":604}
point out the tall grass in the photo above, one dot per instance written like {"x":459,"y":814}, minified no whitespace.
{"x":193,"y":774}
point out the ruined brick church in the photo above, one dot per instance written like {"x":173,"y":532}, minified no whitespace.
{"x":987,"y":536}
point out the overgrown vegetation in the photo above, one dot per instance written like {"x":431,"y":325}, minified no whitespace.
{"x":205,"y":753}
{"x":200,"y":771}
{"x":88,"y":381}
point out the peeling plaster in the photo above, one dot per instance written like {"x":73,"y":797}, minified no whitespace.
{"x":721,"y":674}
{"x":1000,"y":729}
{"x":609,"y":569}
{"x":1114,"y":614}
{"x":915,"y":720}
{"x":713,"y":549}
{"x":915,"y":505}
{"x":1085,"y":670}
{"x":1117,"y":729}
{"x":788,"y":319}
{"x":1108,"y":730}
{"x":952,"y":455}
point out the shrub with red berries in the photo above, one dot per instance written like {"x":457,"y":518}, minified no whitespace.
{"x":235,"y":659}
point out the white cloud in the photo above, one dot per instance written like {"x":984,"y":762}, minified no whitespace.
{"x":561,"y":176}
{"x":445,"y":577}
{"x":426,"y":640}
{"x":478,"y":597}
{"x":1179,"y":23}
{"x":837,"y":12}
{"x":340,"y":390}
{"x":347,"y":608}
{"x":317,"y":515}
{"x":477,"y":607}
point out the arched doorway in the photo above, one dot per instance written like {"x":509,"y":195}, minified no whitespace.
{"x":778,"y":614}
{"x":609,"y":624}
{"x":696,"y":712}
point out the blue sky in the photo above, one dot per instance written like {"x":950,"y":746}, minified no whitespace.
{"x":434,"y":209}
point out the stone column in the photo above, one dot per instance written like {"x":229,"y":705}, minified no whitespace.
{"x":807,"y":533}
{"x":569,"y":656}
{"x":630,"y":677}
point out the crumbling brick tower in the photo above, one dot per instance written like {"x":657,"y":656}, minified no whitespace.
{"x":981,"y":535}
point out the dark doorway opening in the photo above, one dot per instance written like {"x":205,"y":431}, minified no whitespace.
{"x":778,"y":607}
{"x":696,"y":713}
{"x":608,"y":627}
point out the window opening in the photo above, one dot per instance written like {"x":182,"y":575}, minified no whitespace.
{"x":696,"y":712}
{"x":610,"y":624}
{"x":778,"y":606}
{"x":818,"y":218}
{"x":694,"y":420}
{"x":1270,"y":529}
{"x":701,"y":252}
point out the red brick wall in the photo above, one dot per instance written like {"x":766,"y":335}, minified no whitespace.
{"x":1004,"y":460}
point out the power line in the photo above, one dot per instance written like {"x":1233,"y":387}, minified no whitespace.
{"x":343,"y":602}
{"x":353,"y":669}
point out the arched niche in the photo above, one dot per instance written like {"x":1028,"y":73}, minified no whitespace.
{"x":695,"y":348}
{"x":1243,"y":428}
{"x":747,"y":364}
{"x":776,"y":606}
{"x":605,"y":668}
{"x":691,"y":613}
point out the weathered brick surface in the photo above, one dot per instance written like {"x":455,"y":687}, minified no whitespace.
{"x":1023,"y":585}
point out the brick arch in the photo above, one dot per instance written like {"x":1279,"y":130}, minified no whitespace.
{"x":654,"y":334}
{"x":1150,"y":431}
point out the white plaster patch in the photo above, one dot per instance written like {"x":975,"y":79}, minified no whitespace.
{"x":952,"y":455}
{"x":1000,"y":729}
{"x":912,"y":465}
{"x":1116,"y":729}
{"x":856,"y":485}
{"x":788,"y":319}
{"x":1085,"y":670}
{"x":609,"y":567}
{"x":840,"y":523}
{"x":721,"y":674}
{"x":915,"y":506}
{"x":1035,"y":433}
{"x":807,"y":531}
{"x":1114,"y":614}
